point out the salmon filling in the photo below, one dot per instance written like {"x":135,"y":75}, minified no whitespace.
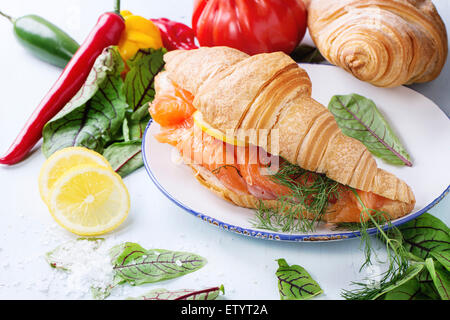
{"x":239,"y":169}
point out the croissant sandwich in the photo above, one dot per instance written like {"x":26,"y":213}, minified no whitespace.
{"x":251,"y":132}
{"x":385,"y":42}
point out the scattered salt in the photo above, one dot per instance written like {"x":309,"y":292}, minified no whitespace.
{"x":88,"y":263}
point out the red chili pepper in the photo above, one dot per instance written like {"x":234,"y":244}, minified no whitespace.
{"x":107,"y":32}
{"x":175,"y":35}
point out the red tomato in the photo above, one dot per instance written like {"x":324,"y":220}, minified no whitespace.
{"x":252,"y":26}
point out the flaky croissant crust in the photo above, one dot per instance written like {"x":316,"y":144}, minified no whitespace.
{"x":270,"y":91}
{"x":385,"y":42}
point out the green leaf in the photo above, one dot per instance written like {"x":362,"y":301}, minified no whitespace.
{"x":137,"y":128}
{"x":139,"y":82}
{"x":424,"y":235}
{"x":410,"y":274}
{"x":410,"y":290}
{"x":295,"y":283}
{"x":137,"y":266}
{"x":359,"y":118}
{"x":440,"y":277}
{"x":427,"y":286}
{"x":125,"y":157}
{"x":95,"y":114}
{"x":443,"y":257}
{"x":307,"y":54}
{"x":141,"y":113}
{"x":184,"y":294}
{"x":136,"y":123}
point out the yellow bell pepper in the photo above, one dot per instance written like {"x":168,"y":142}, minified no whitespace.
{"x":140,"y":33}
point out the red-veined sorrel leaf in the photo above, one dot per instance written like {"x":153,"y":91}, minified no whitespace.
{"x":137,"y":266}
{"x":424,"y":235}
{"x":440,"y":277}
{"x":139,"y":82}
{"x":443,"y":257}
{"x":95,"y":114}
{"x":411,"y":290}
{"x":125,"y":157}
{"x":183,"y":294}
{"x":359,"y":118}
{"x":295,"y":283}
{"x":410,"y":274}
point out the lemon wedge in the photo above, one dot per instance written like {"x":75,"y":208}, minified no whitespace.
{"x":62,"y":161}
{"x":201,"y":123}
{"x":89,"y":200}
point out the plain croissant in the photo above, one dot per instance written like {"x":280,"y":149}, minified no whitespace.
{"x":234,"y":91}
{"x":385,"y":42}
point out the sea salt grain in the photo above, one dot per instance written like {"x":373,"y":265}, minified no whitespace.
{"x":88,"y":263}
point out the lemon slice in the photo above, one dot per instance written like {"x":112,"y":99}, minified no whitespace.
{"x":89,"y":200}
{"x":62,"y":161}
{"x":201,"y":123}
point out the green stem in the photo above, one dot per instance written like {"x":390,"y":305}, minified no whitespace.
{"x":370,"y":215}
{"x":11,"y":19}
{"x":380,"y":230}
{"x":117,"y":7}
{"x":385,"y":236}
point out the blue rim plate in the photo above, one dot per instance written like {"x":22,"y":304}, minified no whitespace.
{"x":261,"y":234}
{"x":316,"y":71}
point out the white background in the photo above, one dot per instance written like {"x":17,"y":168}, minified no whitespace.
{"x":245,"y":266}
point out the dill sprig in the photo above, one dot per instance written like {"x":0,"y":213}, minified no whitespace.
{"x":303,"y":207}
{"x":284,"y":217}
{"x":397,"y":255}
{"x":217,"y":170}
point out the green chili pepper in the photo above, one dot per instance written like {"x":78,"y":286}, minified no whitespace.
{"x":43,"y":39}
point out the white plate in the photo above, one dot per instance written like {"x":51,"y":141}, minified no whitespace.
{"x":423,"y":128}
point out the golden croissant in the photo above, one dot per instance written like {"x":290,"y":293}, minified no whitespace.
{"x":385,"y":42}
{"x":207,"y":97}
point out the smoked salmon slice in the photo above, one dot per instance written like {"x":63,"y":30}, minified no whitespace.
{"x":171,"y":109}
{"x":260,"y":183}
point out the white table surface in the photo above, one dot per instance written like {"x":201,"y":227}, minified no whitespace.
{"x":245,"y":266}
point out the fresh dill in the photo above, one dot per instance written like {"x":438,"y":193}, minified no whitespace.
{"x":303,"y":207}
{"x":284,"y":217}
{"x":217,"y":170}
{"x":398,"y":257}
